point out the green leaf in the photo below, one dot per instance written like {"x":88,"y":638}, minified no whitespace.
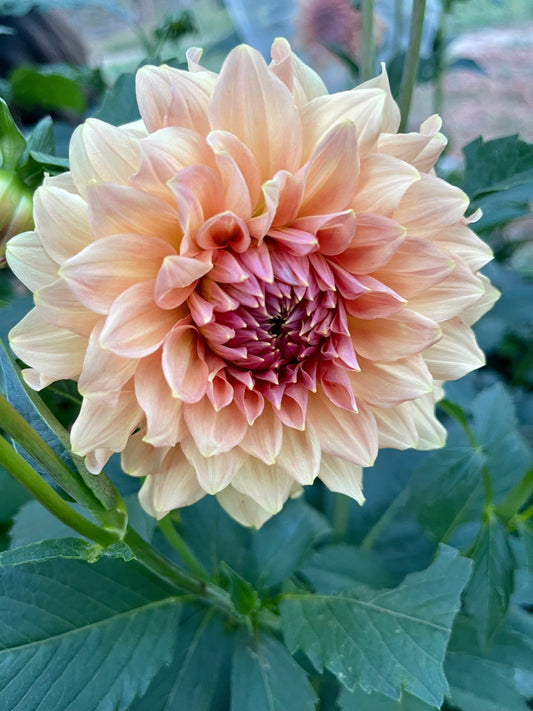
{"x":383,"y":640}
{"x":79,"y":636}
{"x":198,"y":676}
{"x":34,"y":523}
{"x":526,"y":535}
{"x":33,"y":88}
{"x":76,"y":548}
{"x":266,"y":678}
{"x":336,"y":568}
{"x":489,"y":590}
{"x":41,"y":138}
{"x":12,"y":142}
{"x":447,"y":490}
{"x":120,"y":103}
{"x":243,"y":595}
{"x":484,"y":680}
{"x":14,"y":495}
{"x":285,"y":541}
{"x":357,"y":700}
{"x":499,"y":179}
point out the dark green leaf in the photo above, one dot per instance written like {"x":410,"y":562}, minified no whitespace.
{"x":41,"y":138}
{"x":285,"y":541}
{"x":484,"y":680}
{"x":198,"y":676}
{"x":79,"y":636}
{"x":64,"y":548}
{"x":14,"y":495}
{"x":526,"y":534}
{"x":33,"y":88}
{"x":336,"y":568}
{"x":242,"y":594}
{"x":34,"y":523}
{"x":489,"y":590}
{"x":120,"y":103}
{"x":387,"y":640}
{"x":357,"y":700}
{"x":21,"y":7}
{"x":266,"y":678}
{"x":12,"y":143}
{"x":447,"y":490}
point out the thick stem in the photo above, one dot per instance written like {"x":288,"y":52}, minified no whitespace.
{"x":517,"y":498}
{"x":16,"y":465}
{"x":181,"y":548}
{"x":367,"y":40}
{"x":411,"y":61}
{"x":383,"y":521}
{"x":341,"y":515}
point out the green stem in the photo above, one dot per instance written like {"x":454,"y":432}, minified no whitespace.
{"x":16,"y":465}
{"x":383,"y":521}
{"x":341,"y":514}
{"x":518,"y":497}
{"x":411,"y":61}
{"x":181,"y":548}
{"x":367,"y":40}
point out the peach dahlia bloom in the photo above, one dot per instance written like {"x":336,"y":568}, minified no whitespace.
{"x":256,"y":285}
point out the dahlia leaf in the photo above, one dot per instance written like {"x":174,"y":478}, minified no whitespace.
{"x":358,"y":700}
{"x":485,"y":680}
{"x":198,"y":675}
{"x":266,"y":678}
{"x":499,"y":179}
{"x":77,"y":636}
{"x":285,"y":541}
{"x":75,"y":548}
{"x":36,"y":88}
{"x":488,"y":592}
{"x":526,"y":535}
{"x":12,"y":142}
{"x":336,"y":568}
{"x":447,"y":490}
{"x":387,"y":640}
{"x":120,"y":105}
{"x":13,"y":495}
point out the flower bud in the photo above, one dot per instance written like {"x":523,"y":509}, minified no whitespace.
{"x":16,"y":206}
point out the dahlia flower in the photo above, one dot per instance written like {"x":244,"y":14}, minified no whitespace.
{"x":255,"y":285}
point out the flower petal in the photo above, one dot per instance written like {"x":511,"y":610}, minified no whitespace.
{"x":215,"y":432}
{"x":384,"y":180}
{"x":29,"y":261}
{"x":242,"y":508}
{"x":303,"y":83}
{"x":263,"y":440}
{"x":342,"y":476}
{"x":456,"y":354}
{"x":213,"y":473}
{"x":300,"y":454}
{"x":60,"y":307}
{"x":185,"y":371}
{"x":375,"y":240}
{"x":269,"y":486}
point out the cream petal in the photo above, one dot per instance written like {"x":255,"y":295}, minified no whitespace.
{"x":396,"y":428}
{"x":348,"y":435}
{"x":172,"y":486}
{"x":460,"y":241}
{"x":300,"y":454}
{"x":121,"y":209}
{"x":332,"y":174}
{"x":176,"y":279}
{"x":102,"y":426}
{"x":419,"y":149}
{"x":59,"y":306}
{"x":29,"y":262}
{"x":104,"y":374}
{"x":185,"y":371}
{"x":242,"y":508}
{"x":389,"y":384}
{"x":54,"y":352}
{"x":193,"y":55}
{"x":269,"y":486}
{"x":391,"y":113}
{"x":378,"y":302}
{"x":383,"y":182}
{"x":173,"y":97}
{"x":254,"y":105}
{"x":135,"y":326}
{"x":456,"y":354}
{"x":303,"y":83}
{"x":263,"y":439}
{"x":140,"y":458}
{"x":364,"y":107}
{"x":490,"y":296}
{"x":165,"y":424}
{"x":398,"y":336}
{"x":215,"y":432}
{"x":375,"y":240}
{"x":342,"y":476}
{"x":431,"y":434}
{"x":213,"y":473}
{"x":62,"y":222}
{"x":96,"y":460}
{"x":101,"y":152}
{"x":105,"y":269}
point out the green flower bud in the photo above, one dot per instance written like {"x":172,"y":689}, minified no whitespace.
{"x":16,"y":208}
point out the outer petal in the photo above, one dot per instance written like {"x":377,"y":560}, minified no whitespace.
{"x":250,"y":102}
{"x":185,"y":371}
{"x":300,"y":80}
{"x":213,"y":473}
{"x":215,"y":432}
{"x":269,"y":486}
{"x":59,"y":306}
{"x":54,"y":352}
{"x":391,"y":113}
{"x":242,"y":508}
{"x":102,"y":152}
{"x":342,"y":476}
{"x":389,"y":384}
{"x":29,"y":261}
{"x":263,"y":439}
{"x":383,"y":183}
{"x":375,"y":240}
{"x":300,"y":454}
{"x":456,"y":354}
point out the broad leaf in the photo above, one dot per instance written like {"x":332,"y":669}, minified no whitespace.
{"x":357,"y":700}
{"x":337,"y":568}
{"x":120,"y":103}
{"x":198,"y":676}
{"x":14,"y":495}
{"x":33,"y":88}
{"x":447,"y":490}
{"x":485,"y":680}
{"x":266,"y":678}
{"x":285,"y":541}
{"x":79,"y":636}
{"x":12,"y":142}
{"x":489,"y":590}
{"x":75,"y":548}
{"x":526,"y":534}
{"x":383,"y":640}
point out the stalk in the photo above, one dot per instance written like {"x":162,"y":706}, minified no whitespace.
{"x":367,"y":40}
{"x":411,"y":61}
